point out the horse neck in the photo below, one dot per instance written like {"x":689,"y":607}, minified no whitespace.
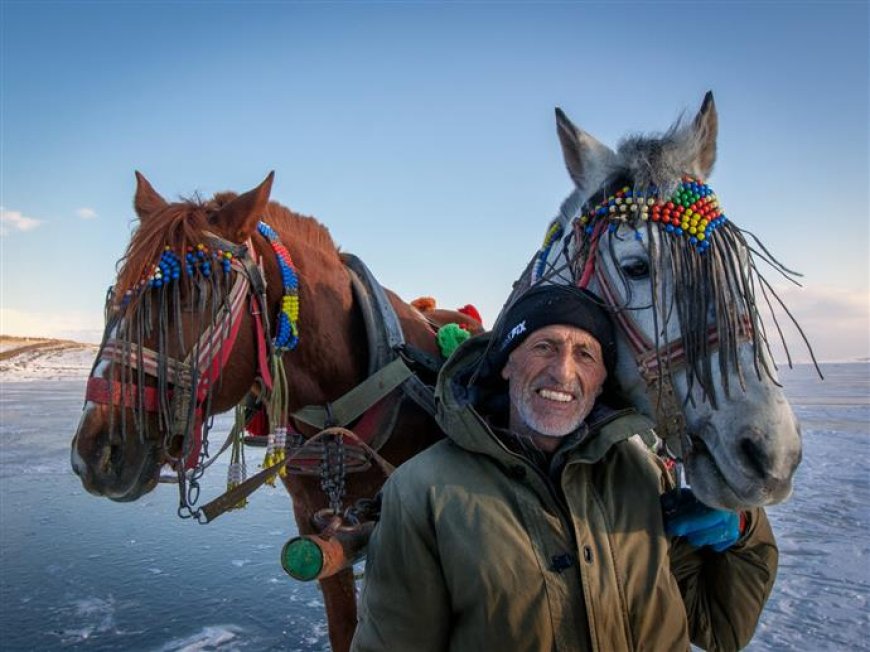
{"x":332,"y":355}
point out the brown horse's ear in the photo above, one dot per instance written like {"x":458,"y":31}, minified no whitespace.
{"x":238,"y":219}
{"x":706,"y":126}
{"x":147,"y":201}
{"x":586,"y":159}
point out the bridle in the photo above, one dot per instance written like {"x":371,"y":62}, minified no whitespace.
{"x":656,"y":361}
{"x":182,"y":390}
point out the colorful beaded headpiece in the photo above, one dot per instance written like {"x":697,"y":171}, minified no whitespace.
{"x":286,"y":333}
{"x":692,"y":211}
{"x":198,"y":260}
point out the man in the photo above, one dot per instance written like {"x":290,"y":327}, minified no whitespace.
{"x":537,"y":525}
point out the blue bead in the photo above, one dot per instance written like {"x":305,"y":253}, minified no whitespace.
{"x":669,"y":228}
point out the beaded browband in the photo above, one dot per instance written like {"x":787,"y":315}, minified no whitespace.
{"x":692,"y":211}
{"x":203,"y":260}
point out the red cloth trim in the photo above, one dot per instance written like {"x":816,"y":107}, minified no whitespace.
{"x":100,"y":390}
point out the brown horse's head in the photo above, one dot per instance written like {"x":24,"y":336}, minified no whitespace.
{"x":171,"y":355}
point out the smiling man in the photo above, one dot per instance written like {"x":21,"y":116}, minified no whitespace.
{"x":538,"y":523}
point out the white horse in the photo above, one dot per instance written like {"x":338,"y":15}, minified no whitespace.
{"x":682,"y":284}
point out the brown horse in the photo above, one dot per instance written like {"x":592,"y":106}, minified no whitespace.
{"x":129,"y":429}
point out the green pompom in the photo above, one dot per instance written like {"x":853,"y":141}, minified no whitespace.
{"x":449,"y":337}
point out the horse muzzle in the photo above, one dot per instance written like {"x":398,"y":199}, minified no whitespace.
{"x":753,"y":469}
{"x":109,"y":457}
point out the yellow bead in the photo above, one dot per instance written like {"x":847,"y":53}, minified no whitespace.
{"x":693,"y":230}
{"x":702,"y":224}
{"x":701,"y":236}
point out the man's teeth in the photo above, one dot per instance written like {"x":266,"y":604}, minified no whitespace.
{"x":553,"y":395}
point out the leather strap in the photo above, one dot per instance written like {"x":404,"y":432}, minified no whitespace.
{"x":355,"y":402}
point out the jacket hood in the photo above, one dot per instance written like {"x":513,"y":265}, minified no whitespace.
{"x":471,"y":396}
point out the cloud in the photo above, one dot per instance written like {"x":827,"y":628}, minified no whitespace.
{"x":86,"y":213}
{"x":15,"y":221}
{"x":835,"y":320}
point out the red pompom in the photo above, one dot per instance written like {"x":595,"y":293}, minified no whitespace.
{"x":471,"y":311}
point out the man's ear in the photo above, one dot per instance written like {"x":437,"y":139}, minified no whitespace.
{"x":506,"y":370}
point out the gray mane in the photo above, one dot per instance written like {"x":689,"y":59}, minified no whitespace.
{"x":660,"y":160}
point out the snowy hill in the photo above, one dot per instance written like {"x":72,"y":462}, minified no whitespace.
{"x":35,"y":358}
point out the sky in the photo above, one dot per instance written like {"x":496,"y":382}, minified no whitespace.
{"x":423,"y":134}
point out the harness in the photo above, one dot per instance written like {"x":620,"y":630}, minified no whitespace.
{"x":193,"y":378}
{"x":182,"y":392}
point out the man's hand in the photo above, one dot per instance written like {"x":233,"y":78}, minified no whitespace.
{"x":686,"y":516}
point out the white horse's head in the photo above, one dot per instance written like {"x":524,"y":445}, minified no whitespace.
{"x":643,"y":232}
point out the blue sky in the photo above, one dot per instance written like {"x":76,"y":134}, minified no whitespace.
{"x":422,"y":134}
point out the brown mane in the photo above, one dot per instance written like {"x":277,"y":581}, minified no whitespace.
{"x":182,"y":224}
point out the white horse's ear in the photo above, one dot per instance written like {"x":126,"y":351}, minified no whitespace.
{"x":147,"y":201}
{"x":706,"y":126}
{"x":587,"y":159}
{"x":238,"y":219}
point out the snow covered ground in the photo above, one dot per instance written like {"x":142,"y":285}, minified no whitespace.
{"x":27,"y":359}
{"x":77,"y":572}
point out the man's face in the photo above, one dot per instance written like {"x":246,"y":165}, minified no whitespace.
{"x":554,"y":377}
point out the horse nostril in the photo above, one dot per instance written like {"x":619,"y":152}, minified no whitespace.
{"x":757,"y":457}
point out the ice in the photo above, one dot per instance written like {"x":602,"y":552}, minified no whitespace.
{"x":80,"y":572}
{"x":218,"y":637}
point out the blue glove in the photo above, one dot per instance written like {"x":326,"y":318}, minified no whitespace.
{"x":686,"y":516}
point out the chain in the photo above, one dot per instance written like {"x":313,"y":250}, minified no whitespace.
{"x":332,"y":471}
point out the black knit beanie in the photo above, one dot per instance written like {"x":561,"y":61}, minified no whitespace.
{"x":547,"y":305}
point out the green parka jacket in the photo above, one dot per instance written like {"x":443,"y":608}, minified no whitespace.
{"x":478,"y":550}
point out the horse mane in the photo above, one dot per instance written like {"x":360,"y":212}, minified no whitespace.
{"x":659,"y":159}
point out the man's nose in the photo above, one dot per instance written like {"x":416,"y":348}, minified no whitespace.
{"x":562,"y":367}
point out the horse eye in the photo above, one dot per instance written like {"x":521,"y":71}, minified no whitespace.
{"x":636,"y":268}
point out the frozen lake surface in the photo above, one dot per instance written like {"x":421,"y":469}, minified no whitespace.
{"x":79,"y":572}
